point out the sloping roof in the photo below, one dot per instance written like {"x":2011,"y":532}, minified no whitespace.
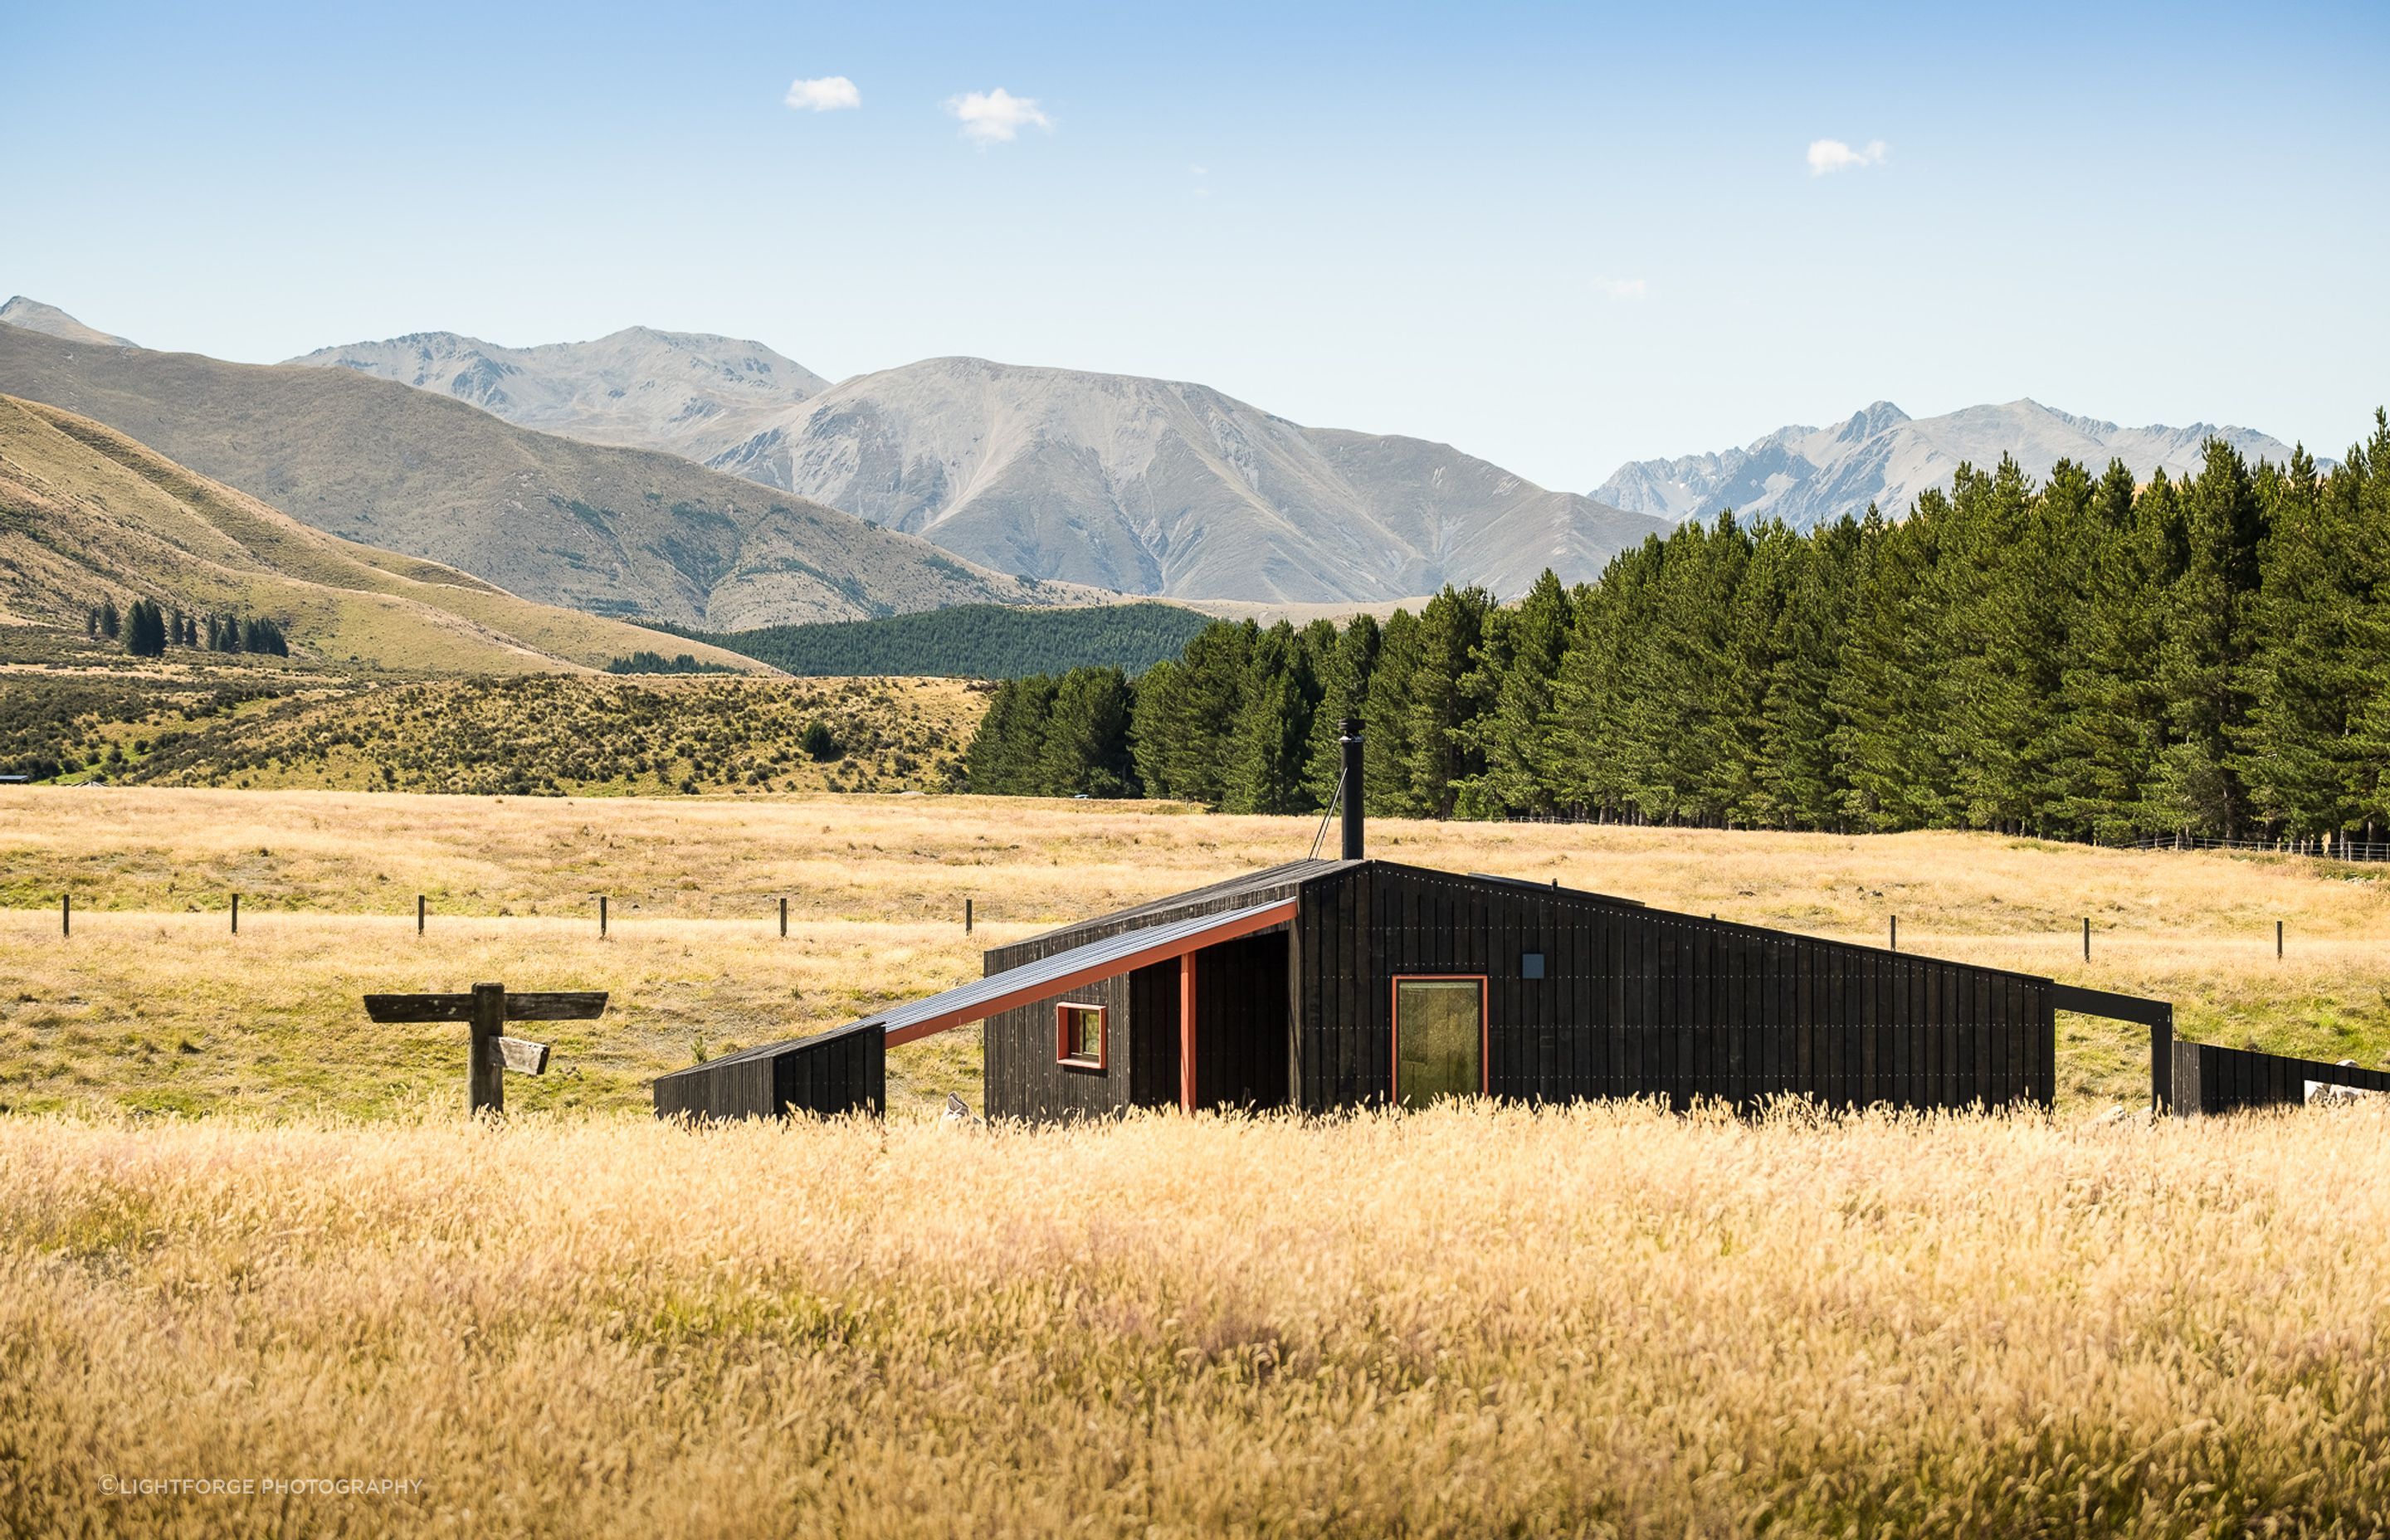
{"x":1102,"y":958}
{"x":764,"y":1050}
{"x":1269,"y":884}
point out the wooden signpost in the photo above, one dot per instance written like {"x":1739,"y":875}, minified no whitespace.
{"x":487,"y":1010}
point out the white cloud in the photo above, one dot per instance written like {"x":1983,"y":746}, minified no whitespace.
{"x":1827,"y":155}
{"x":829,"y":94}
{"x":990,"y":117}
{"x":1622,"y":289}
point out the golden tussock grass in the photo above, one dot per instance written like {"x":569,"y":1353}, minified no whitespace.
{"x":1471,"y":1321}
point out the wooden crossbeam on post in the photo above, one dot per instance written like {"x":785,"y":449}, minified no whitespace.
{"x":490,"y":1053}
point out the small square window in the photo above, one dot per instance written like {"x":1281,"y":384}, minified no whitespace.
{"x":1079,"y":1036}
{"x":1530,"y":964}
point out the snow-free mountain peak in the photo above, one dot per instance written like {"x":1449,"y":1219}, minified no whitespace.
{"x":1882,"y":456}
{"x":1147,"y":486}
{"x":49,"y":320}
{"x":689,"y":392}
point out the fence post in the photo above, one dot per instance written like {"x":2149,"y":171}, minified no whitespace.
{"x":784,"y":919}
{"x":418,"y":914}
{"x":2277,"y":941}
{"x":1895,"y":933}
{"x":66,"y":914}
{"x":967,"y":916}
{"x":485,"y":1085}
{"x":236,"y":913}
{"x":2087,"y":938}
{"x":601,"y":917}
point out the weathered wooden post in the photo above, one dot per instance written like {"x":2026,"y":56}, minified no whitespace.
{"x":418,"y":914}
{"x":601,"y":917}
{"x":1895,"y":933}
{"x":485,"y":1085}
{"x":2277,"y":941}
{"x":784,"y":920}
{"x":2087,"y":938}
{"x":66,"y":914}
{"x":236,"y":913}
{"x":489,"y":1052}
{"x":967,"y":916}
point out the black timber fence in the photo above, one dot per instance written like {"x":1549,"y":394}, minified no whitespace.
{"x":2210,"y":1078}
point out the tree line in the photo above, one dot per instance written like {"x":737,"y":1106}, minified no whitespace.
{"x":146,"y":630}
{"x":970,"y":641}
{"x":2091,"y":657}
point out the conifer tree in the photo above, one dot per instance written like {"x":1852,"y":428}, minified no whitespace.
{"x":1084,"y":746}
{"x":1273,"y":728}
{"x":1446,"y":698}
{"x":1386,"y":720}
{"x":1517,"y":668}
{"x":1343,"y":684}
{"x":2204,"y":665}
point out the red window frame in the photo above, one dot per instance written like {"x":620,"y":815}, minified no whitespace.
{"x":1395,"y":1028}
{"x":1063,"y":1054}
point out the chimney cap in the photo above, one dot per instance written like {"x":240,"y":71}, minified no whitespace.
{"x":1351,"y":726}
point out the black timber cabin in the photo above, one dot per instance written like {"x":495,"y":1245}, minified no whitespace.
{"x":1323,"y":984}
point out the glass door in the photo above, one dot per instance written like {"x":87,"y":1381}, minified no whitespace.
{"x":1439,"y":1039}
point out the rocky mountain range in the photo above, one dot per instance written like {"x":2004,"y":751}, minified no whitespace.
{"x":688,"y":393}
{"x":629,"y":534}
{"x":1882,"y":456}
{"x":1146,"y":487}
{"x":1155,"y":486}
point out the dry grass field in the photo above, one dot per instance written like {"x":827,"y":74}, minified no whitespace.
{"x":270,"y":1019}
{"x":1467,"y":1322}
{"x":1599,"y":1320}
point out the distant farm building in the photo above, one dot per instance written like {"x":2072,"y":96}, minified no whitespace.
{"x":1324,"y":984}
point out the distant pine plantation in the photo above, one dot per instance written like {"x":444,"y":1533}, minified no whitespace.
{"x":2087,"y":658}
{"x":535,"y":735}
{"x":972,"y":641}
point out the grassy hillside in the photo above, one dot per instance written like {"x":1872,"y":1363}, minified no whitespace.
{"x":613,"y":532}
{"x":87,"y":513}
{"x":975,"y":641}
{"x":525,"y":736}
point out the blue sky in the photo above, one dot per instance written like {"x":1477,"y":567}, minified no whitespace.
{"x":1558,"y":237}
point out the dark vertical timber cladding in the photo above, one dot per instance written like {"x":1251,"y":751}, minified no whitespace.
{"x":1241,"y":1022}
{"x":1152,"y":1038}
{"x":1026,"y":1077}
{"x":2209,"y":1077}
{"x":1641,"y":1002}
{"x":827,"y":1074}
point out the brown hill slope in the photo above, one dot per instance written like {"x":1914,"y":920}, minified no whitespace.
{"x":86,"y":512}
{"x":614,"y":531}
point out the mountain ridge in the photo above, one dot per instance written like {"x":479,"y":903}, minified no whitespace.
{"x":87,"y":512}
{"x":692,"y":393}
{"x":1882,"y":456}
{"x":625,"y":532}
